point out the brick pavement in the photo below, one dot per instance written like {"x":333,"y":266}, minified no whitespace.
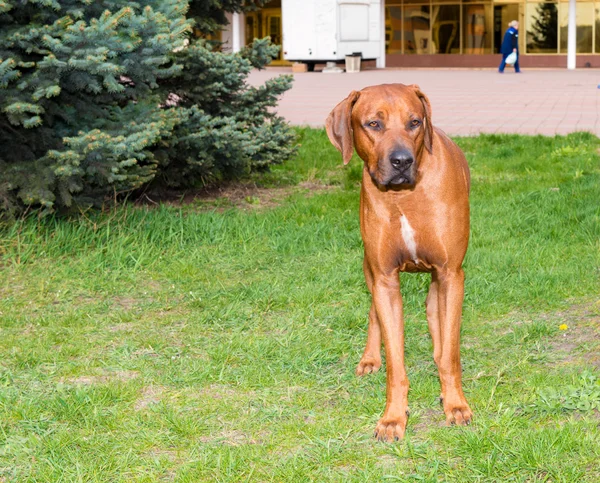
{"x":464,"y":102}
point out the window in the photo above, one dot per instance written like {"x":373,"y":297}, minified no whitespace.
{"x":393,"y":30}
{"x":251,"y":27}
{"x":478,"y":26}
{"x":597,"y":28}
{"x":503,"y":14}
{"x":584,"y":14}
{"x":477,"y":29}
{"x":416,"y":29}
{"x":445,"y":29}
{"x":541,"y":21}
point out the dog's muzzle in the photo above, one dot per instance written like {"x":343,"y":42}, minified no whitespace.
{"x":402,"y":168}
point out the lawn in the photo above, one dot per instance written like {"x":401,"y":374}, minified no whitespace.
{"x":216,"y":340}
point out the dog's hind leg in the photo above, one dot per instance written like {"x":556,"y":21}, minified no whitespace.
{"x":433,"y":318}
{"x":371,"y":358}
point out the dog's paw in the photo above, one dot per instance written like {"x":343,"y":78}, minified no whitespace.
{"x":391,"y":429}
{"x":368,"y":365}
{"x":460,"y":414}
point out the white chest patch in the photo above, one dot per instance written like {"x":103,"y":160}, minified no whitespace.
{"x":408,"y":234}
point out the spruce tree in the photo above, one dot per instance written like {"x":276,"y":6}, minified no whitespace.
{"x":101,"y":98}
{"x":543,"y":36}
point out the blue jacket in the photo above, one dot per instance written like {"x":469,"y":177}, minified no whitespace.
{"x":511,"y":41}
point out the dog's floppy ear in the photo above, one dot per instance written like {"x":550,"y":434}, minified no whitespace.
{"x":339,"y":126}
{"x":428,"y":140}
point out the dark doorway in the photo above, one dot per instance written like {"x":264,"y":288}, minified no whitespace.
{"x":502,"y":15}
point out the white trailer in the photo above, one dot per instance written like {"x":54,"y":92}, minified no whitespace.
{"x":318,"y":31}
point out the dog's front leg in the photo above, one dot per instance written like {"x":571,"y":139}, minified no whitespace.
{"x":450,"y":300}
{"x":388,"y":304}
{"x":371,"y":359}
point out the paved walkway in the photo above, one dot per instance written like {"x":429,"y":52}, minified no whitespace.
{"x":464,"y":102}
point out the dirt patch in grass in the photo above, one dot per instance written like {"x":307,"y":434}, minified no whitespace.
{"x":426,"y":419}
{"x":126,"y":303}
{"x":145,"y":352}
{"x":122,"y":376}
{"x":129,"y":303}
{"x":150,"y":395}
{"x":580,"y":342}
{"x":218,"y":391}
{"x":234,"y":438}
{"x":153,"y":285}
{"x":26,"y":331}
{"x":387,"y":461}
{"x":169,"y":454}
{"x":122,"y":327}
{"x":83,"y":300}
{"x":233,"y":195}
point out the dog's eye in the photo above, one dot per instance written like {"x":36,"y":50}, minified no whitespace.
{"x":415,"y":123}
{"x":373,"y":124}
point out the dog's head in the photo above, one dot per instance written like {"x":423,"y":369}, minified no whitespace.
{"x":389,"y":125}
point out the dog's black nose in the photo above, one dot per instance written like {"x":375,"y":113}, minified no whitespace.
{"x":401,"y":159}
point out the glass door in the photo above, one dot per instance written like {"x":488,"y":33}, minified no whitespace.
{"x":263,"y":23}
{"x":271,"y":26}
{"x":503,"y":14}
{"x":252,"y":30}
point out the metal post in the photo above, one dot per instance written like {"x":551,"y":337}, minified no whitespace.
{"x":572,"y":36}
{"x":381,"y":59}
{"x":236,"y":38}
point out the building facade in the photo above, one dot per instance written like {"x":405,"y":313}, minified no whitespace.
{"x":469,"y":33}
{"x":455,"y":33}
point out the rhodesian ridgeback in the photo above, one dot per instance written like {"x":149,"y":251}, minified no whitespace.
{"x":414,"y":217}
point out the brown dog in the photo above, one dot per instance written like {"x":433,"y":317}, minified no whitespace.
{"x":414,"y":217}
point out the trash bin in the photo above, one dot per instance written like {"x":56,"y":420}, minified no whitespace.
{"x":353,"y":63}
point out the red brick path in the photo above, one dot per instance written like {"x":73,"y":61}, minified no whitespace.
{"x":464,"y":102}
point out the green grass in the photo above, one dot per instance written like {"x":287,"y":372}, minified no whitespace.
{"x":185,"y":344}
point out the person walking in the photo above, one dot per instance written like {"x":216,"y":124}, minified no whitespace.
{"x":510,"y":44}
